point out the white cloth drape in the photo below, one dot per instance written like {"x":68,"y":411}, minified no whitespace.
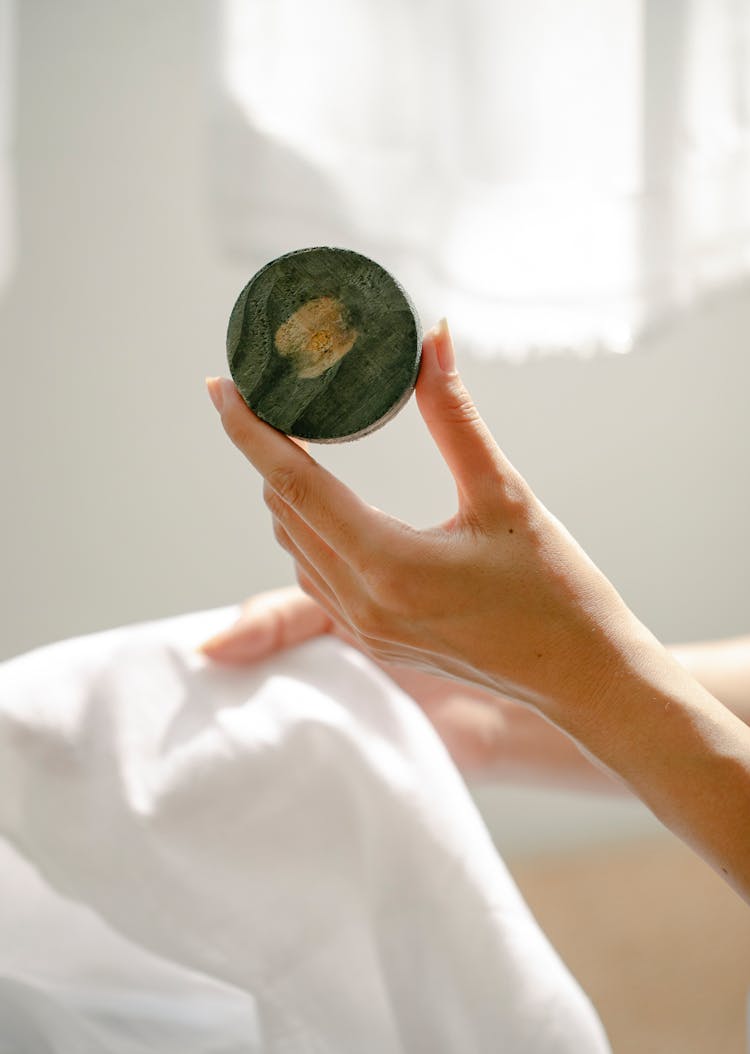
{"x":548,"y":175}
{"x":7,"y":188}
{"x":280,"y":859}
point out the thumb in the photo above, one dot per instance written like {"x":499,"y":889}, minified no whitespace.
{"x":476,"y":463}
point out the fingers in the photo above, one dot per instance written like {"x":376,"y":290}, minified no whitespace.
{"x":331,"y":574}
{"x":332,"y":510}
{"x":334,"y":618}
{"x":476,"y":463}
{"x":305,"y":567}
{"x":269,"y":623}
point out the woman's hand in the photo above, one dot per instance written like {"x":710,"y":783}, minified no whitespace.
{"x":502,"y":597}
{"x":499,"y":596}
{"x":487,"y":736}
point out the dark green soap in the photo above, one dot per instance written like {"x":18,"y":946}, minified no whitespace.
{"x":324,"y":344}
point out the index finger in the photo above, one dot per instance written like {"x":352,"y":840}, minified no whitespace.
{"x":269,"y":622}
{"x":326,"y":504}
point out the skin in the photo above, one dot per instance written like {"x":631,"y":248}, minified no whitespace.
{"x":489,"y":737}
{"x":502,"y":598}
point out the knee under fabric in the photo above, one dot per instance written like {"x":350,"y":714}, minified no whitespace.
{"x":276,"y":858}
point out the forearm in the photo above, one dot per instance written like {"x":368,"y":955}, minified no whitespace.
{"x":675,"y":746}
{"x":722,"y":667}
{"x":532,"y":750}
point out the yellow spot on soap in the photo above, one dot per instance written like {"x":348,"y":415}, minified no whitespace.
{"x":322,"y":341}
{"x":316,"y":336}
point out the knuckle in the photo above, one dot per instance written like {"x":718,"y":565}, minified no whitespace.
{"x":459,"y":407}
{"x":370,"y":620}
{"x":287,"y":484}
{"x":397,"y":587}
{"x":385,"y":581}
{"x":274,"y":503}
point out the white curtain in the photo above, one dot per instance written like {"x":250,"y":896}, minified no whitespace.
{"x":7,"y":189}
{"x":550,"y":175}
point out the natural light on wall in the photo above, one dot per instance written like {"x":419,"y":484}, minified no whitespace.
{"x":550,"y":175}
{"x":7,"y":189}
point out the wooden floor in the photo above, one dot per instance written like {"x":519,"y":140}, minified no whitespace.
{"x":659,"y":943}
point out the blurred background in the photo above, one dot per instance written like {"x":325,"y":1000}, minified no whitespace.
{"x":139,"y":196}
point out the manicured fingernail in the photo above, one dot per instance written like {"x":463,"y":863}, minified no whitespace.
{"x":237,"y":644}
{"x":444,"y":345}
{"x":213,"y":643}
{"x":219,"y":388}
{"x":214,"y":388}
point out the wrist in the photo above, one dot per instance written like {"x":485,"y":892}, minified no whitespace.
{"x":676,"y":747}
{"x":601,"y":653}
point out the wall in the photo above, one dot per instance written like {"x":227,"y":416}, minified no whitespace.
{"x":124,"y":501}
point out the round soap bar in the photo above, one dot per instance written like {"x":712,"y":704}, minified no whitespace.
{"x":324,"y":344}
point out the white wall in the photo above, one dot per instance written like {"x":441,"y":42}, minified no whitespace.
{"x":124,"y":501}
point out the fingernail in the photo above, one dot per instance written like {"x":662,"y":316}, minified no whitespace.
{"x":213,"y":642}
{"x":444,"y":346}
{"x":214,"y":388}
{"x":219,"y":388}
{"x":235,"y":644}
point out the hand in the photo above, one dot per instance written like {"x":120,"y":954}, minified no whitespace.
{"x":487,"y":736}
{"x":500,"y":596}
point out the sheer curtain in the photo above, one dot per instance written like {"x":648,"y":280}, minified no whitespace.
{"x":7,"y":190}
{"x":549,"y":175}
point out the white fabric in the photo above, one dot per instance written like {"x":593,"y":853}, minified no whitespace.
{"x":547,"y":174}
{"x":7,"y":107}
{"x":278,"y":859}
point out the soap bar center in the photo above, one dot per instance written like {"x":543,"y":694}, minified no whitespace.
{"x":316,"y":336}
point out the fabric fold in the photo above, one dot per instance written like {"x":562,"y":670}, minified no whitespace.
{"x":293,"y":834}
